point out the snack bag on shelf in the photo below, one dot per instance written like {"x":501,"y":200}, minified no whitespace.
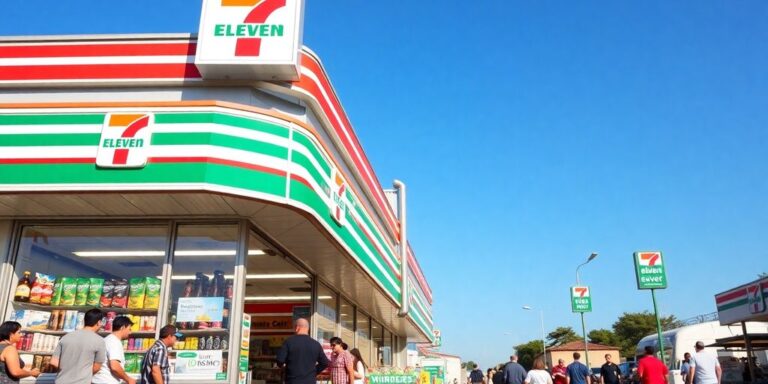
{"x":58,"y":288}
{"x":41,"y":282}
{"x":68,"y":290}
{"x":107,"y":292}
{"x":138,"y":287}
{"x":152,"y":299}
{"x":46,"y":288}
{"x":130,"y":362}
{"x":120,"y":294}
{"x":136,"y":320}
{"x":95,"y":287}
{"x":81,"y":295}
{"x":38,"y":320}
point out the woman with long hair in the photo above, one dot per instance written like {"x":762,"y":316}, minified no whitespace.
{"x":360,"y":367}
{"x":11,"y":366}
{"x":538,"y":374}
{"x":489,"y":375}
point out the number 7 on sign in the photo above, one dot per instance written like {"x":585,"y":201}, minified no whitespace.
{"x":649,"y":258}
{"x":581,"y":291}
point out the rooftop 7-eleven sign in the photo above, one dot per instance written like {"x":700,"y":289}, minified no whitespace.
{"x":581,"y":299}
{"x":650,"y":271}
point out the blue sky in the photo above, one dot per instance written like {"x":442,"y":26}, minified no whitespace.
{"x":532,"y":133}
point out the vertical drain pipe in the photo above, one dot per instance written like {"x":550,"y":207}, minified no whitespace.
{"x":405,"y":302}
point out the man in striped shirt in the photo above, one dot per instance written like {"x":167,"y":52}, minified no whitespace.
{"x":155,"y":369}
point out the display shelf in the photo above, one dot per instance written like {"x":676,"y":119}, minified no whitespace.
{"x":83,"y":308}
{"x":133,"y":333}
{"x":137,"y":352}
{"x":36,"y":353}
{"x":224,"y":351}
{"x":45,"y":331}
{"x":208,"y":331}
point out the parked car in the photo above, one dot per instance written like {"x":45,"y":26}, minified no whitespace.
{"x":629,"y":372}
{"x":595,"y":375}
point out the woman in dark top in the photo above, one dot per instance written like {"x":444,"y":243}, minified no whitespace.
{"x":11,"y":366}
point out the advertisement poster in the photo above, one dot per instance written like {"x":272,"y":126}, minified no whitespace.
{"x":244,"y":347}
{"x":194,"y":309}
{"x":203,"y":364}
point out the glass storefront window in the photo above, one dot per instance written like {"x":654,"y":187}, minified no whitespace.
{"x":364,"y":337}
{"x":201,"y":294}
{"x":347,"y":323}
{"x":326,"y":316}
{"x":277,"y":293}
{"x":75,"y":268}
{"x":378,"y":343}
{"x":386,"y":349}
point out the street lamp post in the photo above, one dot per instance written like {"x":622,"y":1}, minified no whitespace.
{"x":583,"y":325}
{"x":543,"y":341}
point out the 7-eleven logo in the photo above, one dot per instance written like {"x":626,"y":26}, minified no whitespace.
{"x":649,"y":259}
{"x":253,"y":27}
{"x":125,"y":140}
{"x":336,"y":201}
{"x":755,"y":298}
{"x":580,"y":292}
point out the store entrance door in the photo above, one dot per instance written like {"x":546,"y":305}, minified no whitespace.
{"x":277,"y":293}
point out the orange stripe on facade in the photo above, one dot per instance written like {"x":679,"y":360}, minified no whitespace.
{"x":239,"y":3}
{"x":123,"y":120}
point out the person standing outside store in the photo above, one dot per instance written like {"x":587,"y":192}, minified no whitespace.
{"x":342,"y":365}
{"x":538,"y":374}
{"x":498,"y":377}
{"x":80,"y":354}
{"x":577,"y":373}
{"x":685,"y":368}
{"x":514,"y":373}
{"x":705,"y":368}
{"x":11,"y":366}
{"x":650,"y":369}
{"x":476,"y":375}
{"x":360,"y":367}
{"x":301,"y":356}
{"x":560,"y":372}
{"x":113,"y":369}
{"x":610,"y":372}
{"x":155,"y":369}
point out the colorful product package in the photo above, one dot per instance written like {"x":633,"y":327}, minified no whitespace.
{"x":107,"y":291}
{"x":58,"y":287}
{"x":42,"y":289}
{"x":95,"y":286}
{"x":81,"y":295}
{"x":68,"y":290}
{"x":120,"y":294}
{"x":152,"y":299}
{"x":138,"y":287}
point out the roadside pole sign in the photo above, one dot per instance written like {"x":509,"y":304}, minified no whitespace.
{"x":581,"y":299}
{"x":438,"y":342}
{"x":649,"y":270}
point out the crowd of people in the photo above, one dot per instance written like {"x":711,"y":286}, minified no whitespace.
{"x":702,"y":367}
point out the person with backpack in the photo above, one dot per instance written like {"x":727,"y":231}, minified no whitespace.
{"x":476,"y":376}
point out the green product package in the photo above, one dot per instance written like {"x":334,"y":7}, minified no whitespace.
{"x":95,"y":285}
{"x":130,"y":363}
{"x":58,"y":288}
{"x":81,"y":296}
{"x":68,"y":290}
{"x":152,"y":298}
{"x":138,"y":290}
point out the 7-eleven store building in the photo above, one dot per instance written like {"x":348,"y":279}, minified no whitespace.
{"x":248,"y":199}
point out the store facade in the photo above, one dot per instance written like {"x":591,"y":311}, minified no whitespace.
{"x":132,"y":182}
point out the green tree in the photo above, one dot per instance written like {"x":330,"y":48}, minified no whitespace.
{"x":468,"y":366}
{"x":604,"y":337}
{"x":562,"y":335}
{"x":633,"y":326}
{"x":527,"y":352}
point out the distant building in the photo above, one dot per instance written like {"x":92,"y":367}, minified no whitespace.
{"x":596,"y":353}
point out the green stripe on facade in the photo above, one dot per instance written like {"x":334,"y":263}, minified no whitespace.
{"x":221,"y":118}
{"x":731,"y":305}
{"x":302,"y":139}
{"x":376,"y":233}
{"x":216,"y":139}
{"x":305,"y":195}
{"x":300,"y":159}
{"x":42,"y":119}
{"x":48,"y":140}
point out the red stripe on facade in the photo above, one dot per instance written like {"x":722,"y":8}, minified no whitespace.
{"x":302,"y":180}
{"x":731,"y":295}
{"x":383,"y":256}
{"x":216,"y":160}
{"x":52,"y":160}
{"x":416,"y":269}
{"x":98,"y":50}
{"x":100,"y":71}
{"x":361,"y":162}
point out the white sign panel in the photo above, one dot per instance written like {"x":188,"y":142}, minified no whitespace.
{"x":125,"y":140}
{"x":204,"y":364}
{"x":250,"y":39}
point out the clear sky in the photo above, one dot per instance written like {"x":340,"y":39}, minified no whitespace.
{"x":531,"y":133}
